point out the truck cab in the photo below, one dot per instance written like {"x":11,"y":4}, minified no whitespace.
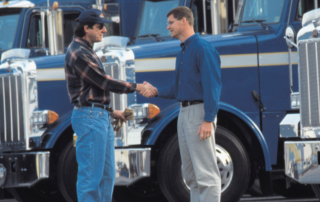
{"x":29,"y":24}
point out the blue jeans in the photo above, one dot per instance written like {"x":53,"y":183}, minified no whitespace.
{"x":95,"y":154}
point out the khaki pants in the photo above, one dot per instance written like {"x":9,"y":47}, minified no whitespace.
{"x":198,"y":158}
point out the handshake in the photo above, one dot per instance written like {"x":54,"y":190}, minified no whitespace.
{"x":147,"y":90}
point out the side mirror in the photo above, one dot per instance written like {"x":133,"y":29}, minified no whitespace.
{"x":290,"y":37}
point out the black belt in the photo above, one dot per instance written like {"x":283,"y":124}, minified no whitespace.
{"x":188,"y":103}
{"x":105,"y":107}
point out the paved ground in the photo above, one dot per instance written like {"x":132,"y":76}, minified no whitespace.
{"x":276,"y":199}
{"x":252,"y":199}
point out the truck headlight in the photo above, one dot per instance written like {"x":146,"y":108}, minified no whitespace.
{"x":145,"y":110}
{"x":44,"y":117}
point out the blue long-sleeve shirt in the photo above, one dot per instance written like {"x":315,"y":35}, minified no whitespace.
{"x":197,"y":76}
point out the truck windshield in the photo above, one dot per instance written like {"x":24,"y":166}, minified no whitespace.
{"x":266,"y":11}
{"x":154,"y":20}
{"x":8,"y":26}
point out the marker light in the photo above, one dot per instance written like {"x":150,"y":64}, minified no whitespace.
{"x":52,"y":117}
{"x":153,"y":111}
{"x":144,"y":111}
{"x":44,"y":117}
{"x":315,"y":33}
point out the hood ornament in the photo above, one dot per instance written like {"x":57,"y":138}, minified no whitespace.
{"x":9,"y":70}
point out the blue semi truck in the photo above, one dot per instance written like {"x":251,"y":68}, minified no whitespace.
{"x":37,"y":160}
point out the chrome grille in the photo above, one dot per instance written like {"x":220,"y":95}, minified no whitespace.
{"x":309,"y":52}
{"x":11,"y":111}
{"x":112,"y":69}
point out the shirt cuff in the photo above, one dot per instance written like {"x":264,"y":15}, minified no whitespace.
{"x":133,"y":87}
{"x":209,"y":117}
{"x":160,"y":92}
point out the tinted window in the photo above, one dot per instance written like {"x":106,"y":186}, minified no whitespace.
{"x":69,"y":25}
{"x":268,"y":11}
{"x":154,"y":18}
{"x":35,"y":35}
{"x":8,"y":26}
{"x":113,"y":14}
{"x":303,"y":7}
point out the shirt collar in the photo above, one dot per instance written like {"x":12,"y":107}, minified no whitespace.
{"x":189,"y":40}
{"x":83,"y":41}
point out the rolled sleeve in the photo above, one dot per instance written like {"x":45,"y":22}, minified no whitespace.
{"x":90,"y":73}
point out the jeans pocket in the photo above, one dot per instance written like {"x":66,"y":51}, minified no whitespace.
{"x":78,"y":124}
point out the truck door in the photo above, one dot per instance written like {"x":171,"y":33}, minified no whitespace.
{"x":274,"y":60}
{"x":38,"y":37}
{"x":265,"y":19}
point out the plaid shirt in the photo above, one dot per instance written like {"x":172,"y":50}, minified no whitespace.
{"x":86,"y":80}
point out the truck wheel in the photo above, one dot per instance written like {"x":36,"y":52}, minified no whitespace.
{"x":47,"y":191}
{"x":295,"y":190}
{"x":67,"y":173}
{"x":233,"y":163}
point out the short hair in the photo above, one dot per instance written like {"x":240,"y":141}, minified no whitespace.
{"x":79,"y":30}
{"x":182,"y":12}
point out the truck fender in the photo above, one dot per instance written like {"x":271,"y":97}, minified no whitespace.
{"x":53,"y":133}
{"x":157,"y":125}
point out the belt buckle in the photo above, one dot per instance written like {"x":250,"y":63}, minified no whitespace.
{"x":99,"y":105}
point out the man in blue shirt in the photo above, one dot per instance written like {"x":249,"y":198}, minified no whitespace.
{"x":197,"y":85}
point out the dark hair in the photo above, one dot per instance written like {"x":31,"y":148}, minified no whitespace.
{"x":79,"y":30}
{"x":182,"y":12}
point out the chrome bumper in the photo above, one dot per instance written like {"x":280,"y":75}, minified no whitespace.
{"x":132,"y":165}
{"x":301,"y":161}
{"x":26,"y":169}
{"x":23,"y":169}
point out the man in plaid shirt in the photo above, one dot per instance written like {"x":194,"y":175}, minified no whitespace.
{"x":88,"y":89}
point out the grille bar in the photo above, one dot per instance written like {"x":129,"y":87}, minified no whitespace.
{"x":11,"y":122}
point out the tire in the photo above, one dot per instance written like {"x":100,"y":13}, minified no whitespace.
{"x":47,"y":191}
{"x":228,"y":147}
{"x":67,"y":173}
{"x":143,"y":191}
{"x":296,"y":190}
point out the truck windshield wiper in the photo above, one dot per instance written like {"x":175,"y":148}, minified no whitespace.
{"x":264,"y":26}
{"x":154,"y":36}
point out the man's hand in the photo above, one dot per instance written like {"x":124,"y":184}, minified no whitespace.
{"x":118,"y":115}
{"x":147,"y":90}
{"x":151,"y":92}
{"x":205,"y":130}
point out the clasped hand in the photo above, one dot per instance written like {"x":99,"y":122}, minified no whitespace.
{"x":147,"y":90}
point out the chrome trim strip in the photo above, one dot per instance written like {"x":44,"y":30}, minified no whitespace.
{"x":4,"y":111}
{"x":10,"y":100}
{"x":317,"y":65}
{"x":17,"y":105}
{"x":204,"y":16}
{"x":308,"y":78}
